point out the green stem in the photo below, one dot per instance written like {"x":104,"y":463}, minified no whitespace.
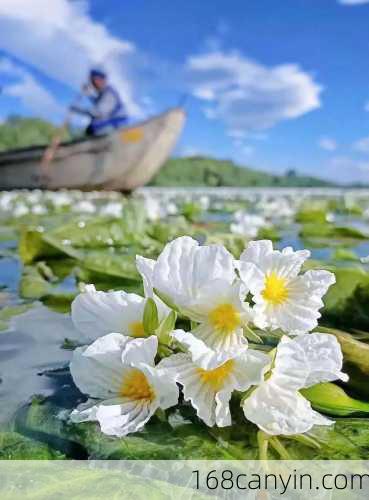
{"x":306,"y":440}
{"x":279,"y":448}
{"x":251,"y":335}
{"x":263,"y":442}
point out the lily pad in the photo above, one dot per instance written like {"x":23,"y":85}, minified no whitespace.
{"x":14,"y":446}
{"x":8,"y":312}
{"x":346,"y":303}
{"x":184,"y":437}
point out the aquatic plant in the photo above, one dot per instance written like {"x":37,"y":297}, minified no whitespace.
{"x":221,"y":301}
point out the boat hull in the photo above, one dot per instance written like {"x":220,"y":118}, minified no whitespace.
{"x":124,"y":160}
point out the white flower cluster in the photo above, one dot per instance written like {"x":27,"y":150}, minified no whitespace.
{"x":223,"y":299}
{"x":36,"y":202}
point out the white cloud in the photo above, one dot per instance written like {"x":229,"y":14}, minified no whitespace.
{"x":327,"y":143}
{"x":248,"y":95}
{"x":28,"y":91}
{"x":353,"y":2}
{"x":61,"y":39}
{"x":362,"y":145}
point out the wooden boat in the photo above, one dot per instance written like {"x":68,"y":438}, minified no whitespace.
{"x":123,"y":160}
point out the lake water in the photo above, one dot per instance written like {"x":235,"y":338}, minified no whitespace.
{"x":33,"y":360}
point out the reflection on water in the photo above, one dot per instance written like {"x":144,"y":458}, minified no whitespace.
{"x":30,"y":348}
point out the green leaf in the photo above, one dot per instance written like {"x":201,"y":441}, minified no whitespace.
{"x":346,"y":303}
{"x":14,"y":446}
{"x":8,"y":312}
{"x":166,"y":327}
{"x":150,"y":317}
{"x":315,"y":216}
{"x":32,"y":246}
{"x":167,"y":300}
{"x":184,"y":437}
{"x":32,"y":285}
{"x":345,"y":254}
{"x":180,"y":440}
{"x":119,"y":264}
{"x":333,"y":400}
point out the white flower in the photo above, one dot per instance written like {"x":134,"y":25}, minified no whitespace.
{"x":209,"y":378}
{"x":119,"y":373}
{"x":276,"y":406}
{"x":283,"y":298}
{"x":84,"y":206}
{"x":59,"y":198}
{"x":247,"y":224}
{"x":154,"y":209}
{"x":20,"y":209}
{"x":204,"y":202}
{"x":276,"y":208}
{"x":201,"y":282}
{"x":38,"y":209}
{"x":112,"y":209}
{"x":96,"y":314}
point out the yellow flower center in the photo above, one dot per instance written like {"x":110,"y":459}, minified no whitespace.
{"x":275,"y":290}
{"x":225,"y":318}
{"x":136,"y":329}
{"x":217,"y":377}
{"x":136,"y":386}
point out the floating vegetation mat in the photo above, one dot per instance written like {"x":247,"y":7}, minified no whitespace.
{"x":184,"y":325}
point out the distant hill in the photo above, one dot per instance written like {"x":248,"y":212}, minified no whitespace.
{"x":204,"y":171}
{"x":21,"y":132}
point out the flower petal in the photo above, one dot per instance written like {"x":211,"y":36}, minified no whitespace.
{"x":201,"y":355}
{"x":98,"y":313}
{"x":139,"y":351}
{"x":281,"y":412}
{"x":164,"y":385}
{"x":252,"y":276}
{"x":307,"y":360}
{"x":184,"y":270}
{"x":223,"y":416}
{"x":125,"y":418}
{"x":249,"y":369}
{"x":286,"y":263}
{"x":323,"y":357}
{"x":218,"y":341}
{"x":318,"y":281}
{"x":146,"y":268}
{"x":85,"y":412}
{"x":97,"y":370}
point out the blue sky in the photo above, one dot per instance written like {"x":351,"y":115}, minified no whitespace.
{"x":274,"y":85}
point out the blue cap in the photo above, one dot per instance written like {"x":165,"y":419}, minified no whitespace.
{"x":99,"y":73}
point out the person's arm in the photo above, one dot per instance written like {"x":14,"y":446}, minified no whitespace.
{"x":81,"y":111}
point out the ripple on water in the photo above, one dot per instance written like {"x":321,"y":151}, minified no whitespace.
{"x":31,"y":346}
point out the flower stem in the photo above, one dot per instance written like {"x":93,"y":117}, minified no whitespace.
{"x":251,"y":335}
{"x":306,"y":440}
{"x":263,"y":442}
{"x":279,"y":448}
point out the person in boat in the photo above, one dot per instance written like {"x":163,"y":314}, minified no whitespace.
{"x":107,"y":111}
